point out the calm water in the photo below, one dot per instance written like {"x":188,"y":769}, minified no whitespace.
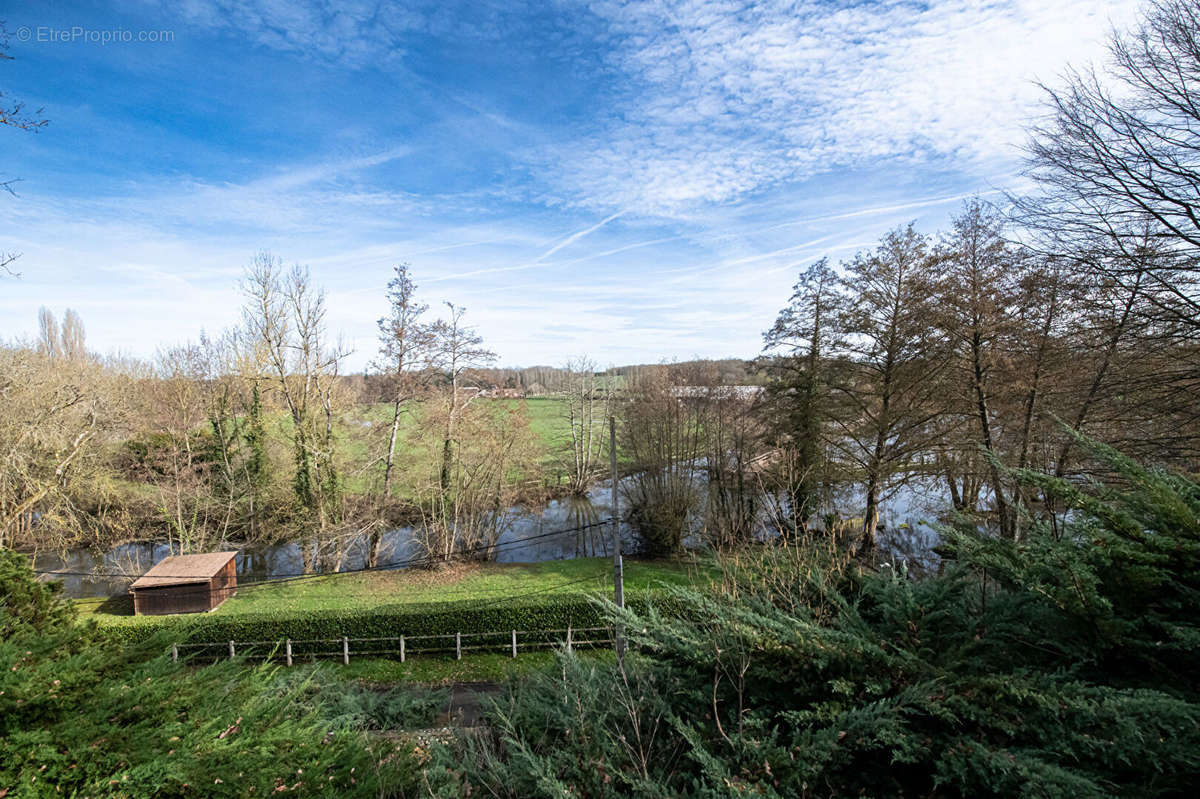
{"x":524,"y":540}
{"x":904,"y":535}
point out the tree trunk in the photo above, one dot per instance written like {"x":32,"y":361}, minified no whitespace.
{"x":391,"y":453}
{"x":985,"y":429}
{"x":870,"y":515}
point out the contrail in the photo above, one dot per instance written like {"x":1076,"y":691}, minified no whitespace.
{"x":574,"y":237}
{"x":571,"y":239}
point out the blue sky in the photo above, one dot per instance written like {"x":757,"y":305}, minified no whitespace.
{"x":632,"y":181}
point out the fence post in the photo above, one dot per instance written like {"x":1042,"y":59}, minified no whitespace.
{"x":288,"y":650}
{"x":568,"y":638}
{"x":174,"y":653}
{"x":402,"y":649}
{"x":231,"y":649}
{"x":345,"y":651}
{"x":514,"y":643}
{"x":458,"y":646}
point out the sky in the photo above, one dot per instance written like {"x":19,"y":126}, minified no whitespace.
{"x":631,"y":181}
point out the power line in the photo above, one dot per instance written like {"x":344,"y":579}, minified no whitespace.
{"x":268,"y":584}
{"x":289,"y":575}
{"x":428,"y":559}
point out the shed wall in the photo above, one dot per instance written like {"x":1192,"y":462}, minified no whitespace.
{"x":223,"y":584}
{"x":186,"y":598}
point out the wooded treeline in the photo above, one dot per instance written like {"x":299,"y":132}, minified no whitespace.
{"x":955,"y":356}
{"x":255,"y":435}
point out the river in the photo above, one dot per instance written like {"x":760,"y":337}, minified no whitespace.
{"x":528,"y":537}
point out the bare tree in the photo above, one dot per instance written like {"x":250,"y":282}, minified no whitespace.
{"x":403,"y":354}
{"x":73,"y":337}
{"x":1119,"y":161}
{"x":889,"y":387}
{"x":452,"y":512}
{"x":663,"y":435}
{"x":284,"y":325}
{"x":492,"y":443}
{"x":588,"y":406}
{"x":54,"y":409}
{"x":733,"y":433}
{"x":13,"y":114}
{"x":178,"y":408}
{"x":49,"y":340}
{"x":976,"y":310}
{"x":454,"y":350}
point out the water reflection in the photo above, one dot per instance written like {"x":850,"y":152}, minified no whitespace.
{"x":529,"y":537}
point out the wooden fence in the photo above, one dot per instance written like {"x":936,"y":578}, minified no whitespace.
{"x":510,"y":641}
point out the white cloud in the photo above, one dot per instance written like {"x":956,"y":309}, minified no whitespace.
{"x":725,"y":98}
{"x":717,"y":99}
{"x":694,"y":203}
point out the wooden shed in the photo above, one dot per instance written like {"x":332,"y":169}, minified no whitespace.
{"x":185,"y":584}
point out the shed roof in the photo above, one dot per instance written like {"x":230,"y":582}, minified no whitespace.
{"x":184,"y":569}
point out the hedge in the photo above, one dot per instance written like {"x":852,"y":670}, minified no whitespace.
{"x":433,"y":618}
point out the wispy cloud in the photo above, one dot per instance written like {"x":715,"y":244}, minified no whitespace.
{"x":635,"y":179}
{"x":725,"y":99}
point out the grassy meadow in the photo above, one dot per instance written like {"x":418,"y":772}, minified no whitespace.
{"x":362,"y":438}
{"x":451,"y":583}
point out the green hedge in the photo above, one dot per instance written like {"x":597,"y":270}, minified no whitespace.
{"x":434,"y":618}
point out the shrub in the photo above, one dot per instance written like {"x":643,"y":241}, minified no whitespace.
{"x":1063,"y":666}
{"x":435,"y":618}
{"x":84,"y":716}
{"x":27,"y":604}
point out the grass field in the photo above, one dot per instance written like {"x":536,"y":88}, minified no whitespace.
{"x":361,"y":436}
{"x":444,"y":670}
{"x":456,"y":582}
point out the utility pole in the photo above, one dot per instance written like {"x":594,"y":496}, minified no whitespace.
{"x":618,"y":566}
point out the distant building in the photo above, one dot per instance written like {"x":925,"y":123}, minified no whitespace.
{"x":504,"y":393}
{"x":185,"y":584}
{"x":718,"y":392}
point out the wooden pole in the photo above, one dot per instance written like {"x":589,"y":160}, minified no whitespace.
{"x":568,"y":638}
{"x":514,"y":643}
{"x":287,"y":646}
{"x":458,"y":646}
{"x":618,"y":566}
{"x":402,"y":649}
{"x":231,"y":649}
{"x":345,"y":651}
{"x":175,"y":653}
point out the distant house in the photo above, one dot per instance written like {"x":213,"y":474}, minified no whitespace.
{"x":185,"y":584}
{"x":718,"y":392}
{"x":504,"y":393}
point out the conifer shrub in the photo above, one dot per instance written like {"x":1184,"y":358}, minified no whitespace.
{"x":83,"y":715}
{"x":1062,"y":665}
{"x":28,"y":605}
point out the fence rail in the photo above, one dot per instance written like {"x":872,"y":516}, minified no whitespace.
{"x":400,"y":644}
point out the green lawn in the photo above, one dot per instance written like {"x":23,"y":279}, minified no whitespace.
{"x":361,"y":448}
{"x":443,"y":670}
{"x":361,"y":436}
{"x":547,"y":419}
{"x":456,"y":582}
